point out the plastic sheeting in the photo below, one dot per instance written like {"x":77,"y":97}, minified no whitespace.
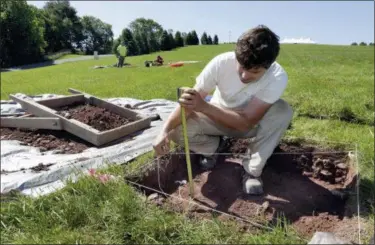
{"x":17,"y":159}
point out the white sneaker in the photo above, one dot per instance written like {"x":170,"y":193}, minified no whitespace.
{"x":252,"y":185}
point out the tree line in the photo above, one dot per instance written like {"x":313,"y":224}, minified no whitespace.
{"x":30,"y":34}
{"x":144,"y":36}
{"x":207,"y":39}
{"x":362,"y":44}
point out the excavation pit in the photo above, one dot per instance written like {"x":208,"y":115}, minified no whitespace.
{"x":306,"y":184}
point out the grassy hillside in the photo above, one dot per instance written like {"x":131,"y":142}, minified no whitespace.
{"x":330,"y":87}
{"x":330,"y":81}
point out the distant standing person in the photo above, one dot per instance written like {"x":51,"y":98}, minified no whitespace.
{"x":122,"y":52}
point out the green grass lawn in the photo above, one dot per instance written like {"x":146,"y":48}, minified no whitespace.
{"x":331,"y":82}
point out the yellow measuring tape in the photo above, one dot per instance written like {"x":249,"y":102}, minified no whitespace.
{"x":186,"y":141}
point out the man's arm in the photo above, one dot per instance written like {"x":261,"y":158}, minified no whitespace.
{"x":174,"y":120}
{"x":244,"y":119}
{"x":205,"y":83}
{"x":161,"y":143}
{"x":241,"y":120}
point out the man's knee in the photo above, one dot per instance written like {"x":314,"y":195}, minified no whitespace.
{"x":192,"y":128}
{"x":287,"y":110}
{"x":281,"y":110}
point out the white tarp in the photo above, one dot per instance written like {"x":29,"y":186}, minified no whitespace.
{"x":18,"y":159}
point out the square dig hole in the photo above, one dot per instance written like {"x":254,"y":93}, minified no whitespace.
{"x":307,"y":184}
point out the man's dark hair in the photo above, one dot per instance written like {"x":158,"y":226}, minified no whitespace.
{"x":258,"y":47}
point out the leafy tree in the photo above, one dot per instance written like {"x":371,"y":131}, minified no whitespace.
{"x":126,"y":35}
{"x":172,"y":42}
{"x":63,"y":29}
{"x":115,"y":45}
{"x":153,"y":42}
{"x":204,"y":38}
{"x":142,"y":43}
{"x":354,"y":44}
{"x":209,"y":40}
{"x":146,"y":48}
{"x":371,"y":44}
{"x":22,"y":39}
{"x":362,"y":44}
{"x":127,"y":38}
{"x":216,"y":40}
{"x":133,"y":48}
{"x":150,"y":30}
{"x":97,"y":35}
{"x":178,"y":39}
{"x":165,"y":41}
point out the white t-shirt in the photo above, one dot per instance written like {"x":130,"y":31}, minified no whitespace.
{"x":221,"y":74}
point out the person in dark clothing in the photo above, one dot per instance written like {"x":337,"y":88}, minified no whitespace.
{"x":122,"y":52}
{"x":159,"y":60}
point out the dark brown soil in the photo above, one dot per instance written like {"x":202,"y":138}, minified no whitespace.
{"x":302,"y":186}
{"x":46,"y":140}
{"x":96,"y":117}
{"x":236,"y":146}
{"x":41,"y":167}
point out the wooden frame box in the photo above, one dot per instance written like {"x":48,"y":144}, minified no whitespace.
{"x":47,"y":117}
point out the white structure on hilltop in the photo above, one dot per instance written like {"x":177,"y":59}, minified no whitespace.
{"x":298,"y":40}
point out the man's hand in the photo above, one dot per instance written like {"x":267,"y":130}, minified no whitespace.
{"x":192,"y":100}
{"x":161,"y":144}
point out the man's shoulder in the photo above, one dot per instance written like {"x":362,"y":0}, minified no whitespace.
{"x":226,"y":56}
{"x":277,"y":71}
{"x":224,"y":61}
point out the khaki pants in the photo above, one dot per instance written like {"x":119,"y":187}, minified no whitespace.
{"x":203,"y":135}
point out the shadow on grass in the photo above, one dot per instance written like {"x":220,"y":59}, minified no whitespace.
{"x":37,"y":65}
{"x":30,"y":66}
{"x":345,"y":115}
